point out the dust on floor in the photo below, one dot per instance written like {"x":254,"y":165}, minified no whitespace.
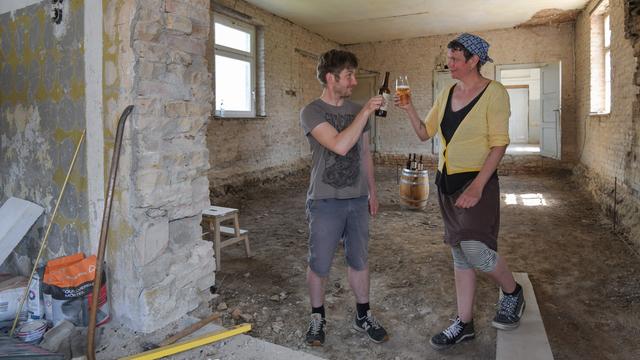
{"x":585,"y":278}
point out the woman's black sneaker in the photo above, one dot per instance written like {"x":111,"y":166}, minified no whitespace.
{"x":510,"y":309}
{"x":457,"y":332}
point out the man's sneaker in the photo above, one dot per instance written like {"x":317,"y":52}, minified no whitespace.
{"x":372,"y":327}
{"x":457,"y":332}
{"x":315,"y":334}
{"x":510,"y":309}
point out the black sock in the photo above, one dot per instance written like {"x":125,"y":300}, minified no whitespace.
{"x":515,"y":291}
{"x":318,"y":310}
{"x":362,"y":309}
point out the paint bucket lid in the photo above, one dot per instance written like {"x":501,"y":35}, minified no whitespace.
{"x":32,"y":331}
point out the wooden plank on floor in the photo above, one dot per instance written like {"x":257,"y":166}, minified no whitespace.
{"x":529,"y":341}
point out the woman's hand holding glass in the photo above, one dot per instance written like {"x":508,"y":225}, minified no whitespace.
{"x":402,"y":97}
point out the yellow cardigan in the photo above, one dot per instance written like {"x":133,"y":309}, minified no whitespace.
{"x":485,"y":126}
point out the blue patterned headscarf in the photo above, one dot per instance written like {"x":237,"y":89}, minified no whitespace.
{"x":476,"y":45}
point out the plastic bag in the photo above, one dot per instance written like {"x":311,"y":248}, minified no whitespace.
{"x":68,"y":287}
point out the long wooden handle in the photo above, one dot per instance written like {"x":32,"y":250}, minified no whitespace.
{"x":104,"y":231}
{"x":190,"y":330}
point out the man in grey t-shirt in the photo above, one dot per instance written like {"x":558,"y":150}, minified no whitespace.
{"x":342,"y":191}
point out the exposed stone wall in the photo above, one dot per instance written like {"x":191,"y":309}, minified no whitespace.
{"x":42,"y":115}
{"x":608,"y":144}
{"x":418,"y":58}
{"x":154,"y":58}
{"x":249,"y":149}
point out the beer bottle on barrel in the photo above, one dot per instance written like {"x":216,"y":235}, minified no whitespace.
{"x":420,"y":166}
{"x":408,"y":166}
{"x":386,"y":94}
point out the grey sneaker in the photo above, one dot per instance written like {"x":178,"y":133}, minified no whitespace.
{"x":510,"y":309}
{"x":456,"y":333}
{"x":372,"y":327}
{"x":315,"y":333}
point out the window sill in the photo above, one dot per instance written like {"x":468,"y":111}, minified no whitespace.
{"x":257,"y":117}
{"x":600,"y":115}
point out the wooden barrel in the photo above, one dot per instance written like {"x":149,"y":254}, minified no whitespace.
{"x":414,"y":189}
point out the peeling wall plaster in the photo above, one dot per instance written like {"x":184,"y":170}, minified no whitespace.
{"x":42,"y":115}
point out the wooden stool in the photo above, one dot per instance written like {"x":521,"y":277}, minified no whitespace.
{"x":214,"y":216}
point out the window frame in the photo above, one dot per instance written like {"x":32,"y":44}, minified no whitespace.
{"x":236,"y":54}
{"x":601,"y":67}
{"x":607,"y":71}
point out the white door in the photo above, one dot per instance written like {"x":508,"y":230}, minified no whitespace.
{"x":441,"y":81}
{"x":366,"y":89}
{"x":550,"y":128}
{"x":519,"y":119}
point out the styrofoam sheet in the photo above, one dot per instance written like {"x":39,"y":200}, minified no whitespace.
{"x":16,"y":218}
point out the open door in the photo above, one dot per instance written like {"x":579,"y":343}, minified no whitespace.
{"x":550,"y":128}
{"x":519,"y":119}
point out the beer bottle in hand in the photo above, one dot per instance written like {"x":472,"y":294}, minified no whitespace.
{"x":386,"y":94}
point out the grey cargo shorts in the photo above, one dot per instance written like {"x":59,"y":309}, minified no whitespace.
{"x":331,"y":220}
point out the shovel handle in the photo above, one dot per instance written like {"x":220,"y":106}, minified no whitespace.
{"x":190,"y":330}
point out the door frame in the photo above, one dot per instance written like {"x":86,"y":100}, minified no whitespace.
{"x":541,"y":65}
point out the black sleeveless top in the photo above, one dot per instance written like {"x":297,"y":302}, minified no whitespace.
{"x":450,"y":184}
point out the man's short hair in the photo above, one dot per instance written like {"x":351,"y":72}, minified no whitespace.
{"x":457,"y":46}
{"x":333,"y":62}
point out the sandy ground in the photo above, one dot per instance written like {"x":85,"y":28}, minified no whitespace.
{"x":585,"y":278}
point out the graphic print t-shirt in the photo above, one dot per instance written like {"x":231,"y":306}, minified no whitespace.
{"x":334,"y":176}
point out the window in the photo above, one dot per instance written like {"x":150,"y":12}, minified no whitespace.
{"x":235,"y":67}
{"x":607,"y":64}
{"x":601,"y":59}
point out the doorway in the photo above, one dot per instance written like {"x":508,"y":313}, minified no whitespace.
{"x":541,"y":118}
{"x":519,"y":123}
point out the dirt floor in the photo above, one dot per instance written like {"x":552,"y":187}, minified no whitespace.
{"x":585,"y":278}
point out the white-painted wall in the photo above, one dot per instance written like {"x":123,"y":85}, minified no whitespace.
{"x":93,"y":117}
{"x":531,"y":78}
{"x":12,"y":5}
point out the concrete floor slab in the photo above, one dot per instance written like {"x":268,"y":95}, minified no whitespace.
{"x":117,"y":341}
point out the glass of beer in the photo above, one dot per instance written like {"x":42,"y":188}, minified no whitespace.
{"x":402,"y":89}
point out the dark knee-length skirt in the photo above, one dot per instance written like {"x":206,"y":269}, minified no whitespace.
{"x":480,"y":222}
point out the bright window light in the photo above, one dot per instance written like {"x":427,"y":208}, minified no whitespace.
{"x":233,"y":38}
{"x":235,"y":68}
{"x":525,"y":199}
{"x":600,"y":59}
{"x":607,"y":31}
{"x":511,"y":199}
{"x":533,"y":200}
{"x":233,"y":86}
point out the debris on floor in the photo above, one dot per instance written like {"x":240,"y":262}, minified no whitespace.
{"x":554,"y":239}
